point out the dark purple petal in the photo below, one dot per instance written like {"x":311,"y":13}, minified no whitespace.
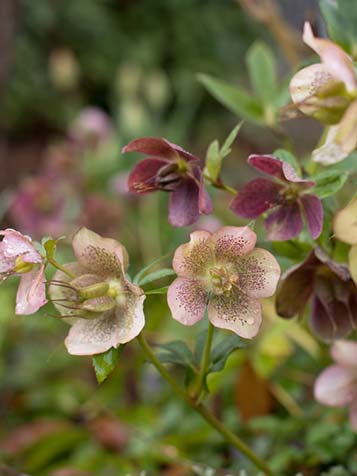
{"x":314,"y":214}
{"x":339,"y":269}
{"x":270,"y":165}
{"x":296,"y":288}
{"x":204,"y":201}
{"x":284,"y":223}
{"x":255,"y":198}
{"x":184,"y":204}
{"x":158,"y":147}
{"x":142,"y":177}
{"x":330,"y":320}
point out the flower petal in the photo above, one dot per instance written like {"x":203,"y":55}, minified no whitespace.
{"x":231,"y":242}
{"x":271,"y":165}
{"x":258,"y":273}
{"x":191,"y":260}
{"x":352,"y":261}
{"x":94,"y":336}
{"x":345,"y":223}
{"x":333,"y":57}
{"x":142,"y":177}
{"x":16,"y":244}
{"x":236,"y":312}
{"x":314,"y":214}
{"x":158,"y":147}
{"x":341,"y":139}
{"x":184,"y":204}
{"x":353,"y":413}
{"x":330,"y":320}
{"x":284,"y":223}
{"x":187,"y":300}
{"x":104,"y":256}
{"x":31,"y":294}
{"x":344,"y":352}
{"x":256,"y":197}
{"x":204,"y":200}
{"x":335,"y":386}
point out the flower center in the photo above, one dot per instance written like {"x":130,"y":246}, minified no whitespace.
{"x":222,"y":281}
{"x":21,"y":266}
{"x":290,"y":193}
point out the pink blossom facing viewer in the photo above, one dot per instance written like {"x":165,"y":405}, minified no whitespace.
{"x":285,"y":196}
{"x":170,"y":168}
{"x":336,"y":386}
{"x":104,"y":308}
{"x":225,"y":272}
{"x":19,"y":257}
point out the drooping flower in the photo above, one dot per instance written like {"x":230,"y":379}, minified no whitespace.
{"x":170,"y":168}
{"x":104,"y":308}
{"x":285,"y":197}
{"x":225,"y":272}
{"x":19,"y":257}
{"x":336,"y":386}
{"x":327,"y":91}
{"x":330,"y":288}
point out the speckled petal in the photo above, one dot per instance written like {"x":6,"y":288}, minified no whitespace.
{"x":94,"y":336}
{"x":335,"y":386}
{"x":284,"y":223}
{"x":158,"y":147}
{"x":184,"y":204}
{"x":236,"y":312}
{"x":187,"y":300}
{"x":344,"y":352}
{"x":314,"y":214}
{"x":31,"y":294}
{"x":142,"y":177}
{"x":345,"y":223}
{"x":256,"y":197}
{"x":16,"y":244}
{"x":258,"y":273}
{"x":333,"y":57}
{"x":192,"y":259}
{"x":231,"y":242}
{"x":104,"y":256}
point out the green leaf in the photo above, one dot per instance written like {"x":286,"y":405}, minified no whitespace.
{"x":155,"y":276}
{"x":226,"y":147}
{"x":341,"y":17}
{"x":105,"y":363}
{"x":291,"y":249}
{"x":262,"y":71}
{"x":234,"y":98}
{"x":328,"y":182}
{"x":223,"y":350}
{"x":142,"y":272}
{"x":213,"y":161}
{"x":288,"y":157}
{"x":176,"y":352}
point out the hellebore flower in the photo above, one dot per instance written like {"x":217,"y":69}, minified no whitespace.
{"x":336,"y":386}
{"x":285,"y":197}
{"x":327,"y":91}
{"x":104,"y":308}
{"x":170,"y":168}
{"x":19,"y":257}
{"x":225,"y":272}
{"x":91,"y":127}
{"x":333,"y":293}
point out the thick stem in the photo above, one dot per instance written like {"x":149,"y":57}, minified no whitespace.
{"x":204,"y":363}
{"x":227,"y":434}
{"x":61,"y":268}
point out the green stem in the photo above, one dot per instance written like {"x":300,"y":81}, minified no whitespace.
{"x":227,"y":434}
{"x":204,"y":363}
{"x":61,"y":268}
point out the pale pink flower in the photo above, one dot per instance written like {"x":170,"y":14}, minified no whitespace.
{"x":225,"y":272}
{"x":104,"y":308}
{"x":91,"y":127}
{"x":19,"y":257}
{"x":336,"y":386}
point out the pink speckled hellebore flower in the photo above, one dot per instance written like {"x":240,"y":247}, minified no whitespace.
{"x":330,"y":288}
{"x":284,"y":196}
{"x":336,"y":386}
{"x":170,"y":168}
{"x":19,"y":257}
{"x":224,"y":271}
{"x":104,"y":308}
{"x":327,"y":91}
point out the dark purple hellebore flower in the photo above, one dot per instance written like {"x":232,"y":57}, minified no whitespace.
{"x":170,"y":168}
{"x":333,"y":293}
{"x":284,"y":196}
